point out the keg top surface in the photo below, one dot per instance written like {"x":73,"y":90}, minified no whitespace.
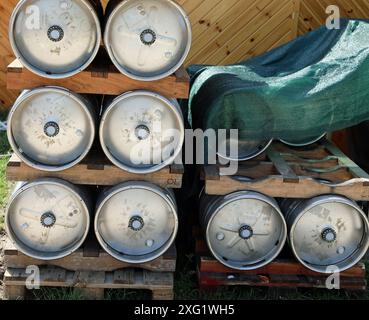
{"x":246,"y":232}
{"x":142,"y":132}
{"x":51,"y":128}
{"x":47,"y":220}
{"x":330,"y":232}
{"x":136,"y":223}
{"x":55,"y":38}
{"x":246,"y":150}
{"x":148,"y":40}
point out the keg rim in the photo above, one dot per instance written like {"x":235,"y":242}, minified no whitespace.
{"x":134,"y":185}
{"x":360,"y":250}
{"x":266,"y":146}
{"x":31,"y":252}
{"x":222,"y":202}
{"x":305,"y":144}
{"x":162,"y":75}
{"x":74,"y":96}
{"x":44,"y":74}
{"x":172,"y":106}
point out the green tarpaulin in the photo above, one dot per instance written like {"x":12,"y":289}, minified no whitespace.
{"x":317,"y":83}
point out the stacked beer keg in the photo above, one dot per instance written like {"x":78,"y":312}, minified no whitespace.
{"x":52,"y":129}
{"x":248,"y":230}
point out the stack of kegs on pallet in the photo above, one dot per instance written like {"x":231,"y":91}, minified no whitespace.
{"x":248,"y":230}
{"x":53,"y":129}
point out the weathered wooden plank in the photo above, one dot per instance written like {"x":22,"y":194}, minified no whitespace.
{"x":281,"y":165}
{"x":275,"y":186}
{"x":103,"y":80}
{"x":294,"y":173}
{"x":92,"y":284}
{"x":211,"y":280}
{"x":345,"y":161}
{"x":278,"y":267}
{"x":95,"y":172}
{"x":78,"y":261}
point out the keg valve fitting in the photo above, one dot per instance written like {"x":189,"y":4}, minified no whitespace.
{"x":51,"y":129}
{"x":142,"y":132}
{"x":148,"y":37}
{"x":246,"y":232}
{"x":48,"y":220}
{"x":55,"y":33}
{"x":136,"y":223}
{"x":329,"y":235}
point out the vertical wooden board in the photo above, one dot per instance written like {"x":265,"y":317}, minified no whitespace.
{"x":313,"y":12}
{"x":6,"y":54}
{"x":228,"y":38}
{"x":275,"y":26}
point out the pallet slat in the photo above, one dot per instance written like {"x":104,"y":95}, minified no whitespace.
{"x":294,"y":173}
{"x":92,"y":284}
{"x":208,"y":280}
{"x":92,"y":271}
{"x":96,"y":172}
{"x":104,"y":80}
{"x":279,"y":267}
{"x":281,"y":273}
{"x":81,"y":260}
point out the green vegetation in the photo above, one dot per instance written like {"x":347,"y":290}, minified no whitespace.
{"x":4,"y":185}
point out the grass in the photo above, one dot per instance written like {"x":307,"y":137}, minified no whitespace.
{"x":4,"y":185}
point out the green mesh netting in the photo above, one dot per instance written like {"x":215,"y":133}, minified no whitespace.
{"x":315,"y":84}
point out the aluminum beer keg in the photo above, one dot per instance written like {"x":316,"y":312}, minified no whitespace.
{"x":136,"y":222}
{"x":246,"y":149}
{"x":244,"y":230}
{"x":302,"y":142}
{"x":51,"y":128}
{"x":56,"y":38}
{"x":142,"y":132}
{"x":147,"y":40}
{"x":326,"y":231}
{"x":48,"y":219}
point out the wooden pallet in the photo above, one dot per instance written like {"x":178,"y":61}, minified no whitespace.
{"x":92,"y":285}
{"x":282,"y":273}
{"x":100,"y":78}
{"x":96,"y":169}
{"x":91,"y":270}
{"x":90,"y":257}
{"x":286,"y":172}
